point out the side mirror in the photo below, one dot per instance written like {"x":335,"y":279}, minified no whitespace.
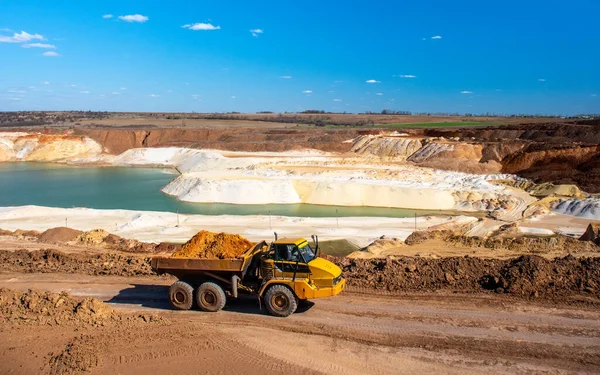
{"x":275,"y":233}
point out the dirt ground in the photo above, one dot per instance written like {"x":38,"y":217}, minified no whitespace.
{"x":352,"y":333}
{"x":405,"y":315}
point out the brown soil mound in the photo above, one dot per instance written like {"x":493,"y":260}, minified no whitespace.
{"x":96,"y":237}
{"x":79,"y":356}
{"x":46,"y":261}
{"x":60,"y":234}
{"x":57,"y":309}
{"x":214,"y":245}
{"x":529,"y":276}
{"x":26,"y":233}
{"x":522,"y":244}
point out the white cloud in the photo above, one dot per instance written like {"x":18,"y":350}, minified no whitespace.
{"x":379,"y":94}
{"x":16,"y":91}
{"x":15,"y":98}
{"x":541,"y":80}
{"x":46,"y":83}
{"x":337,"y":100}
{"x":84,"y":92}
{"x":373,"y":81}
{"x":21,"y":37}
{"x":233,"y":97}
{"x":134,"y":18}
{"x":118,"y":93}
{"x":39,"y":45}
{"x":107,"y":16}
{"x":436,"y":37}
{"x":123,"y":88}
{"x":50,"y":54}
{"x":466,"y":92}
{"x":307,"y":92}
{"x":255,"y":32}
{"x":152,"y":95}
{"x":72,"y":85}
{"x":594,"y":95}
{"x":407,"y":76}
{"x":286,"y":77}
{"x":201,"y":26}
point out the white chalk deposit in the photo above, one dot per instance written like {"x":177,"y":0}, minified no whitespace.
{"x":324,"y":179}
{"x":588,"y":208}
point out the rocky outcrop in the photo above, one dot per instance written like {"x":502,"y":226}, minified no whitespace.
{"x":397,"y":148}
{"x":43,"y":147}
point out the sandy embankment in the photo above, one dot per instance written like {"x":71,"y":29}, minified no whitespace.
{"x":170,"y":227}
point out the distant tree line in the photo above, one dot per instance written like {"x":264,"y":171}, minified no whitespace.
{"x":37,"y":118}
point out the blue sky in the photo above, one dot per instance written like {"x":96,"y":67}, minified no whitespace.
{"x":432,"y":55}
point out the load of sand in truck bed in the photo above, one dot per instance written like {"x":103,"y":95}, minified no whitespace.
{"x":211,"y":245}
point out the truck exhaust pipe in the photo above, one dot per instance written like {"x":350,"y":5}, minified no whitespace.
{"x":235,"y":279}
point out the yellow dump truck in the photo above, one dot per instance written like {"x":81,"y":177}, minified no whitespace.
{"x":280,"y":274}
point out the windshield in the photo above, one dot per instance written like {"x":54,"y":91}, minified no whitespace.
{"x":307,"y":253}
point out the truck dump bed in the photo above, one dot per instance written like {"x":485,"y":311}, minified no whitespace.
{"x":178,"y":266}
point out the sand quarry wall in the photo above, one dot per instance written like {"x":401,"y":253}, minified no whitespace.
{"x":561,"y":153}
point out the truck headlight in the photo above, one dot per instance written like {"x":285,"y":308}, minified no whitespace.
{"x":337,"y":280}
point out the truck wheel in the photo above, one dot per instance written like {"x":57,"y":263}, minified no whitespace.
{"x":181,"y":295}
{"x":210,"y":297}
{"x":280,"y":301}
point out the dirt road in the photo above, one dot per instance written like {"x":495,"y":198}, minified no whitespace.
{"x":352,"y":333}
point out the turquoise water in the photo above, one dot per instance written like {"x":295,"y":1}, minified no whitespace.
{"x":56,"y":185}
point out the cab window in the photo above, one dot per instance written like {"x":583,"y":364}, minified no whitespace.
{"x":288,"y":252}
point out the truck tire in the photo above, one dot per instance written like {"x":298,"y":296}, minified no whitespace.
{"x":210,"y":297}
{"x":280,"y":301}
{"x":181,"y":295}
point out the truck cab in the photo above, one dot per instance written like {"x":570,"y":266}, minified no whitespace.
{"x":294,"y":258}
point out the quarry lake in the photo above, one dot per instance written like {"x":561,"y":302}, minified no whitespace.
{"x":57,"y":185}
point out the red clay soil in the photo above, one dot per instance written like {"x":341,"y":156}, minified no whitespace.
{"x":210,"y":245}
